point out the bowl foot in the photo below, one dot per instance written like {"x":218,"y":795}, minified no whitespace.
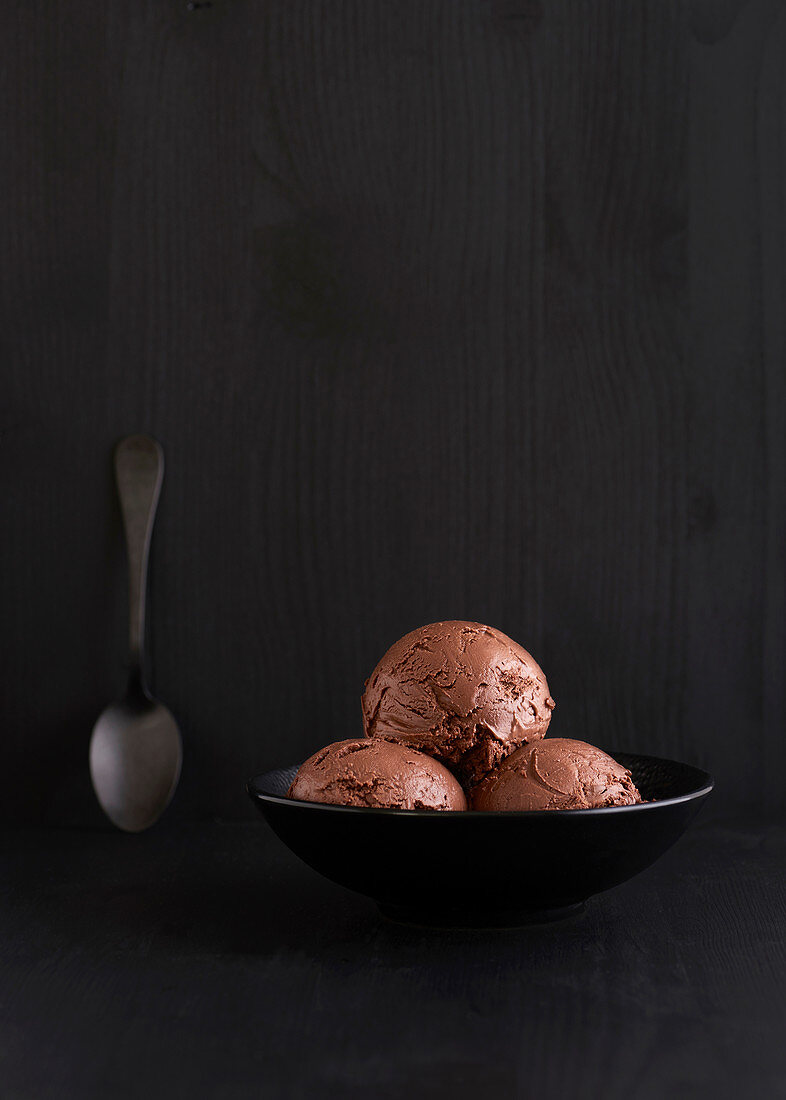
{"x":471,"y":918}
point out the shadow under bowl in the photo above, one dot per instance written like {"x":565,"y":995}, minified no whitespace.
{"x":482,"y":870}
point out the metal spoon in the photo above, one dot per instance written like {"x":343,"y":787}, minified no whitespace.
{"x":135,"y":749}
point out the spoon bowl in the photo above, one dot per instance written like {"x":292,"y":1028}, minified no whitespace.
{"x":135,"y":759}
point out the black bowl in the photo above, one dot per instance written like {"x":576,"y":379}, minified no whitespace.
{"x":486,"y":869}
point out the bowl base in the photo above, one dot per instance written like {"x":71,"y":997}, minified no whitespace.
{"x":472,"y":918}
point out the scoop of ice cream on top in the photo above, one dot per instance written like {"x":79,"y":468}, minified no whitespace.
{"x":556,"y":774}
{"x":361,"y":772}
{"x":462,"y":692}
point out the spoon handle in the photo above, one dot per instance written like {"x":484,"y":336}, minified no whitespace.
{"x":139,"y":471}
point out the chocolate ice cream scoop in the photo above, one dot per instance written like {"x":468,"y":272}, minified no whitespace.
{"x":462,"y":692}
{"x":363,"y":772}
{"x":556,"y":774}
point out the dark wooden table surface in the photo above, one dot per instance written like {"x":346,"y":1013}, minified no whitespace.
{"x":205,"y":961}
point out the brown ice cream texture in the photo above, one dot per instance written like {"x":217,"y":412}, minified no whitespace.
{"x":362,"y":772}
{"x":556,"y":774}
{"x":462,"y":692}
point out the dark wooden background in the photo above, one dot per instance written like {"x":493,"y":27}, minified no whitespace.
{"x":460,"y":309}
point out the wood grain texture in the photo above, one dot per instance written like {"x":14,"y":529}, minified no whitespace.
{"x":439,"y":309}
{"x":615,"y":387}
{"x":771,"y":164}
{"x":208,"y":961}
{"x":736,"y":441}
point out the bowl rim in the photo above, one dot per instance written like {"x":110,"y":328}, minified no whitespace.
{"x":706,"y":785}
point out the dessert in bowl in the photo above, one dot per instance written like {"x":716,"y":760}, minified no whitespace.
{"x":456,"y":807}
